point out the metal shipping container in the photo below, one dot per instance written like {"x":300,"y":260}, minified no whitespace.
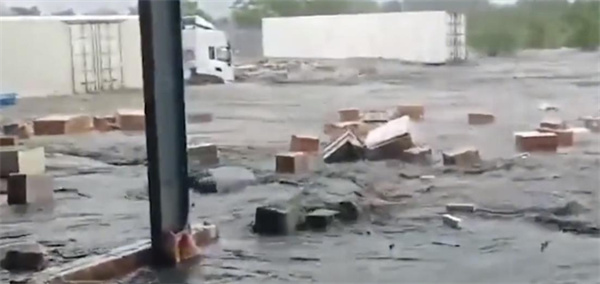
{"x":433,"y":37}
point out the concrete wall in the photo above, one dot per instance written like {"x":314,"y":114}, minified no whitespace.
{"x":36,"y":56}
{"x":409,"y":36}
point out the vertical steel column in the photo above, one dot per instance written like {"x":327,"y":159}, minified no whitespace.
{"x":160,"y":26}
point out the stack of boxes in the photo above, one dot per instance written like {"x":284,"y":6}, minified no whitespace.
{"x":22,"y":175}
{"x":301,"y":157}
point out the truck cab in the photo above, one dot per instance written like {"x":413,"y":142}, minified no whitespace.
{"x":206,"y":52}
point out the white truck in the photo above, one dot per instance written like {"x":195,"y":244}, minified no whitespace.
{"x":206,"y":52}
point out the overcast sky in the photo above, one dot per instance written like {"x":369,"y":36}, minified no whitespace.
{"x":217,"y":8}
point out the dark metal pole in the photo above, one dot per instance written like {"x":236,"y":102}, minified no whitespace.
{"x":160,"y":27}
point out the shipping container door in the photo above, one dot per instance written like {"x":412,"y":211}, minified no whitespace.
{"x":96,"y":57}
{"x":457,"y":48}
{"x":82,"y":58}
{"x":109,"y":56}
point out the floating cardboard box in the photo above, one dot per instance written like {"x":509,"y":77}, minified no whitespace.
{"x":591,"y":123}
{"x":201,"y":117}
{"x":549,"y":123}
{"x":9,"y":141}
{"x":321,"y":218}
{"x":207,"y":154}
{"x":533,"y":141}
{"x":391,"y":149}
{"x":480,"y":118}
{"x":464,"y":157}
{"x":131,"y":120}
{"x":415,"y":112}
{"x":346,"y":148}
{"x":461,"y":207}
{"x":359,"y":128}
{"x":272,"y":220}
{"x":62,"y":125}
{"x":21,"y":159}
{"x":351,"y":114}
{"x":417,"y":155}
{"x":451,"y":221}
{"x":105,"y":123}
{"x":29,"y":188}
{"x":389,"y":141}
{"x":292,"y":163}
{"x":375,"y":117}
{"x":303,"y":143}
{"x":548,"y":107}
{"x":566,"y":137}
{"x":21,"y":130}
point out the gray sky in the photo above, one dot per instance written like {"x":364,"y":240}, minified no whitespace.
{"x":217,"y":8}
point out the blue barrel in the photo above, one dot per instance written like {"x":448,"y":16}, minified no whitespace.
{"x":8,"y":99}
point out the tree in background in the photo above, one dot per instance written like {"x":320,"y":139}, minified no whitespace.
{"x":249,"y":13}
{"x":103,"y":12}
{"x":22,"y":11}
{"x":68,"y":12}
{"x":391,"y":6}
{"x":132,"y":10}
{"x":535,"y":24}
{"x":584,"y":19}
{"x":190,"y":8}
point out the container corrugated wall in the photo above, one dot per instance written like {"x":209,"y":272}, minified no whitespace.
{"x":422,"y":37}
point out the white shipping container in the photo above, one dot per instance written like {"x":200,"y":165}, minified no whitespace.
{"x":434,"y":37}
{"x":58,"y":55}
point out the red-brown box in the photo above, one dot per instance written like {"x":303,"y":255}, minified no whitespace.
{"x":464,"y":157}
{"x":21,"y":130}
{"x":131,"y":120}
{"x":205,"y":154}
{"x":417,"y":155}
{"x":350,"y":114}
{"x":480,"y":118}
{"x":566,"y":137}
{"x":303,"y":143}
{"x":415,"y":112}
{"x":292,"y":163}
{"x":63,"y":125}
{"x":9,"y":141}
{"x":534,"y":141}
{"x":202,"y":117}
{"x":105,"y":123}
{"x":22,"y":159}
{"x":30,"y":188}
